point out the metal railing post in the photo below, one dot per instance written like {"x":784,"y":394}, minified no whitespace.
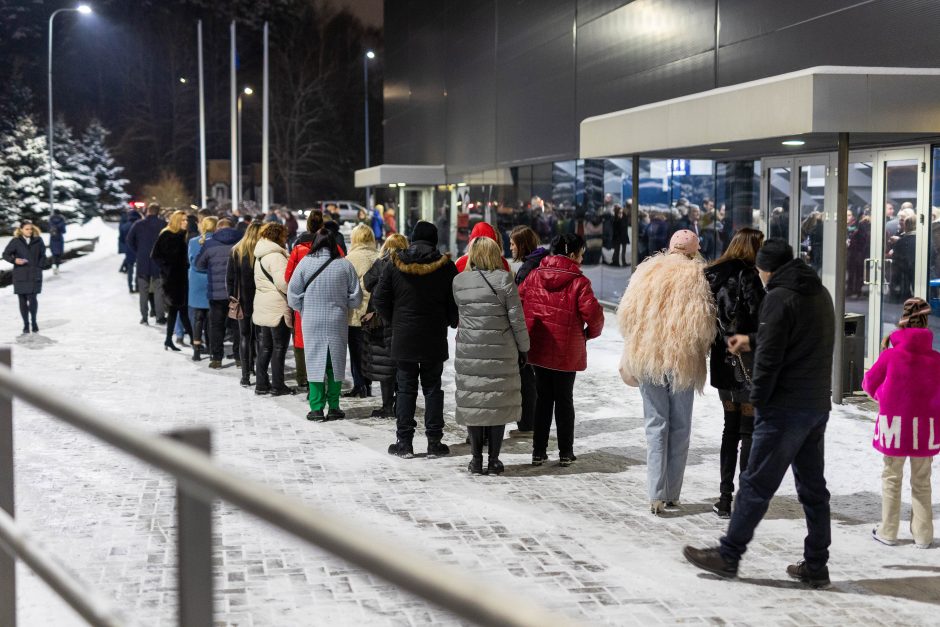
{"x":194,"y":544}
{"x":7,"y":560}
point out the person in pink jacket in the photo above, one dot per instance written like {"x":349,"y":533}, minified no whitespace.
{"x":906,"y":383}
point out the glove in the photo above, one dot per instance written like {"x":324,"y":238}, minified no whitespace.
{"x":523,"y":359}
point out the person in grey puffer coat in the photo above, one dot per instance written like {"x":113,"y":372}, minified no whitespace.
{"x":492,"y":340}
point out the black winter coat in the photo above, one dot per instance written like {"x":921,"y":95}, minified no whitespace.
{"x":240,"y":282}
{"x":27,"y":279}
{"x":416,"y":296}
{"x":532,"y":261}
{"x":377,"y":362}
{"x":738,"y":293}
{"x":793,"y":345}
{"x":172,"y":256}
{"x":213,"y":259}
{"x":140,"y":240}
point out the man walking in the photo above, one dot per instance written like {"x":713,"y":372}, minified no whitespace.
{"x":791,"y":391}
{"x":140,"y":241}
{"x":416,"y":297}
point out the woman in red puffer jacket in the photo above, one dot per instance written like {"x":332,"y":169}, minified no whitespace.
{"x":561,"y":314}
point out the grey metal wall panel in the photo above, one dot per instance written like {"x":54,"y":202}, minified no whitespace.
{"x":535,"y":104}
{"x":592,"y":9}
{"x":747,"y":19}
{"x":522,"y":25}
{"x":427,"y":50}
{"x":646,"y":38}
{"x":899,"y":33}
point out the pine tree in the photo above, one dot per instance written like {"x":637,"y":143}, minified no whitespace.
{"x":73,"y":181}
{"x":105,"y":175}
{"x":23,"y":174}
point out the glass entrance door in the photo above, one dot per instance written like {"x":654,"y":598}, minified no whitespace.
{"x":897,"y":260}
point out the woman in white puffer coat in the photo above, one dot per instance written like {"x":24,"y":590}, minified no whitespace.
{"x":271,"y":313}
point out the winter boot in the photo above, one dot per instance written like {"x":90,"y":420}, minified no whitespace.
{"x":476,"y":450}
{"x":712,"y":561}
{"x":722,"y":508}
{"x":197,"y":352}
{"x":401,"y":448}
{"x":335,"y":413}
{"x":436,"y":448}
{"x":493,"y":465}
{"x":813,"y":578}
{"x":316,"y":415}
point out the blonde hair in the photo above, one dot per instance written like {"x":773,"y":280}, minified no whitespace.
{"x":484,"y":254}
{"x":246,"y":245}
{"x":395,"y":241}
{"x":19,"y":230}
{"x":176,"y":223}
{"x":363,"y":235}
{"x":207,"y":226}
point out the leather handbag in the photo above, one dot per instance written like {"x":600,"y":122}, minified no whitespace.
{"x":235,"y":311}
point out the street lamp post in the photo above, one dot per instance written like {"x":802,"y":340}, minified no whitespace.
{"x":84,"y":9}
{"x":365,"y":80}
{"x":247,"y":91}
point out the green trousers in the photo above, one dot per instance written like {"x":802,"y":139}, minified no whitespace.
{"x":325,"y":393}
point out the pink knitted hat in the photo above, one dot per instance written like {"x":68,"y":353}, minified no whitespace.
{"x":685,"y":242}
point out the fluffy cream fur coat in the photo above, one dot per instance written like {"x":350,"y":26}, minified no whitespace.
{"x":667,"y":319}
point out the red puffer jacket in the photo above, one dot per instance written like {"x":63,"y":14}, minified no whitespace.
{"x":561,"y":313}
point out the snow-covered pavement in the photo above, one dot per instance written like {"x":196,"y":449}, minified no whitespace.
{"x":579,"y":540}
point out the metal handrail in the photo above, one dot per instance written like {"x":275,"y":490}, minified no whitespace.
{"x":198,"y":476}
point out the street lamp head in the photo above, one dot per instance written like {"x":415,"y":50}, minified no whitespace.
{"x":248,"y":91}
{"x":370,"y":54}
{"x":84,"y":9}
{"x":183,"y":79}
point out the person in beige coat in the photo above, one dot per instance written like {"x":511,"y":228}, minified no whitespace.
{"x":271,"y":315}
{"x":362,"y":254}
{"x":667,"y":319}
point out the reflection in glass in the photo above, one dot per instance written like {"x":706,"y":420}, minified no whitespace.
{"x":778,"y":224}
{"x":812,"y":200}
{"x":933,"y":260}
{"x":900,"y":237}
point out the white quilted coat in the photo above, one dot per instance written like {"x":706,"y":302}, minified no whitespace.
{"x":270,"y":306}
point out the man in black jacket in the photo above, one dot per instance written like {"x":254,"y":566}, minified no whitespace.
{"x":791,"y":391}
{"x":416,"y":297}
{"x":140,"y":240}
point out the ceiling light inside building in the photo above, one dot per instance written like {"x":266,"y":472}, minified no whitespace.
{"x":793,"y":142}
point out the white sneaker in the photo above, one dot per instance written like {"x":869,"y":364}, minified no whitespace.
{"x":657,"y":507}
{"x":882,"y":539}
{"x":923,"y":546}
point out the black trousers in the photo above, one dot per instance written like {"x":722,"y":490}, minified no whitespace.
{"x":29,"y":305}
{"x":529,"y":397}
{"x":272,"y":349}
{"x":218,"y":322}
{"x":738,"y":428}
{"x":357,"y":344}
{"x":555,"y":390}
{"x":430,"y":374}
{"x":200,"y":324}
{"x":172,"y":312}
{"x":248,"y":346}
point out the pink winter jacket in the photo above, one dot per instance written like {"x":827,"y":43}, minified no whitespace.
{"x":906,"y":383}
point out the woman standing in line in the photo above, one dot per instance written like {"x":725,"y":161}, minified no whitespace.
{"x":271,"y":315}
{"x":492,"y":343}
{"x":171,"y":253}
{"x":738,"y":293}
{"x":362,"y":254}
{"x":561,"y":314}
{"x":526,"y":250}
{"x":240,"y":281}
{"x":199,"y":286}
{"x":379,"y":365}
{"x":323,"y":288}
{"x":667,"y":320}
{"x":299,"y":251}
{"x":27,"y":252}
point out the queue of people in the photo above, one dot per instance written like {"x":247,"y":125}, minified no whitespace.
{"x":757,"y":318}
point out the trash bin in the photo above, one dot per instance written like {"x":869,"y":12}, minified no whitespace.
{"x":853,"y":353}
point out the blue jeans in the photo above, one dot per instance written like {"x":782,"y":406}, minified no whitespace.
{"x":783,"y":438}
{"x":668,"y":415}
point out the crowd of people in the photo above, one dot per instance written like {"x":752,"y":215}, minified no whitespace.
{"x":757,"y":320}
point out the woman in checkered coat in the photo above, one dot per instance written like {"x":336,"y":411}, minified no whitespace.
{"x":324,"y":303}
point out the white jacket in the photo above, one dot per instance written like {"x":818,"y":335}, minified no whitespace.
{"x":270,"y":306}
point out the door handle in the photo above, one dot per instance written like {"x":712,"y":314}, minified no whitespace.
{"x":886,"y":276}
{"x":866,"y":276}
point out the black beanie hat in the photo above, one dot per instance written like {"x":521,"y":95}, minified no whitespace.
{"x":424,"y":232}
{"x":773,"y":254}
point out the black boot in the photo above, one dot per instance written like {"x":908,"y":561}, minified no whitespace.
{"x":712,"y":561}
{"x":722,"y":508}
{"x":436,"y":448}
{"x":476,"y":450}
{"x":387,"y":410}
{"x":197,"y":352}
{"x":493,"y":465}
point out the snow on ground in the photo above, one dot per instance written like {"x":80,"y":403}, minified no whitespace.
{"x":579,"y":540}
{"x":96,"y":227}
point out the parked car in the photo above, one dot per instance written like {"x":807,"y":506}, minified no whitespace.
{"x":348,"y":210}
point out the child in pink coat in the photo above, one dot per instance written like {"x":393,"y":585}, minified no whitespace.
{"x":906,"y":383}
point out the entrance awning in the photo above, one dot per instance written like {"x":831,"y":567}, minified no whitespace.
{"x":390,"y":174}
{"x":875,"y":105}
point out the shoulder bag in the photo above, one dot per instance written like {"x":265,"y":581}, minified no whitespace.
{"x":235,"y":310}
{"x":317,"y":273}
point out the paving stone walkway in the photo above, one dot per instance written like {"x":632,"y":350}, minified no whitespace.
{"x":579,"y":540}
